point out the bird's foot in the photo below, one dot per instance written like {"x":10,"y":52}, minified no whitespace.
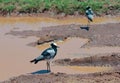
{"x":48,"y":71}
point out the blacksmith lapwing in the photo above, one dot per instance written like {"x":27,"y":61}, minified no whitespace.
{"x":47,"y":55}
{"x":89,"y":14}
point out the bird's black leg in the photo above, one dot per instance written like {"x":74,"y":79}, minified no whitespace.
{"x":47,"y":65}
{"x":88,"y":23}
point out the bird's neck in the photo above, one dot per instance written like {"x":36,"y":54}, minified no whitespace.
{"x":55,"y":48}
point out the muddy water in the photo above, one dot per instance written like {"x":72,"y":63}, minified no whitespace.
{"x":90,"y":69}
{"x":15,"y":54}
{"x":80,"y":69}
{"x":53,"y":21}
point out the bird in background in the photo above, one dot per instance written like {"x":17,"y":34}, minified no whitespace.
{"x":89,"y":14}
{"x":47,"y":55}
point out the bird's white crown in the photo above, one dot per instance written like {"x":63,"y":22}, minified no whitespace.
{"x":54,"y":44}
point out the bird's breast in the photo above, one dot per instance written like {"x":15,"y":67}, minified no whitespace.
{"x":51,"y":52}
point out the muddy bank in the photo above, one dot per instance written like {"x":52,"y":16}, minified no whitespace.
{"x":99,"y":35}
{"x":106,"y":77}
{"x":98,"y":60}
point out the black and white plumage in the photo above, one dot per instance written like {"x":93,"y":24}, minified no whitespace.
{"x":89,"y":14}
{"x":47,"y":55}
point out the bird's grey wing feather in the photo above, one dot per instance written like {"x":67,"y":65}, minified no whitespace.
{"x":47,"y":53}
{"x":43,"y":55}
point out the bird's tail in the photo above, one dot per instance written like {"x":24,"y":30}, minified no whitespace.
{"x":34,"y":60}
{"x":91,"y":20}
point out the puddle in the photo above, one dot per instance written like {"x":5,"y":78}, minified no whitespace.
{"x":80,"y":69}
{"x":69,"y":41}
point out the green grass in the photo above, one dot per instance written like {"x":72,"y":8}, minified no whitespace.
{"x":68,"y":7}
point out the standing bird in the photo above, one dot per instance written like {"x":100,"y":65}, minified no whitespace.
{"x":47,"y":55}
{"x":89,"y":14}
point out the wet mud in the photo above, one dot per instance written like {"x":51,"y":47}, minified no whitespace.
{"x":79,"y":49}
{"x":98,"y":60}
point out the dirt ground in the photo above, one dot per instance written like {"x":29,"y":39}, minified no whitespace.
{"x":113,"y":77}
{"x":99,"y":35}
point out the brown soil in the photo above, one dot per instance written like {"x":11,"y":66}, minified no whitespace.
{"x":106,"y":77}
